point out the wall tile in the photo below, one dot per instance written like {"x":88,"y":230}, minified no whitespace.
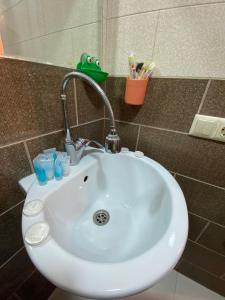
{"x":126,"y":7}
{"x":182,"y":48}
{"x":92,"y":131}
{"x":7,"y":4}
{"x":14,"y":273}
{"x":67,"y":16}
{"x":204,"y":200}
{"x":10,"y":233}
{"x":214,"y":238}
{"x":196,"y":225}
{"x":202,"y":277}
{"x":122,"y":36}
{"x":13,"y":168}
{"x":198,"y":158}
{"x":49,"y":49}
{"x":49,"y":141}
{"x":90,"y":105}
{"x":214,"y":101}
{"x":32,"y":93}
{"x":204,"y":258}
{"x":169,"y":103}
{"x":36,"y":287}
{"x":86,"y":39}
{"x":22,"y":22}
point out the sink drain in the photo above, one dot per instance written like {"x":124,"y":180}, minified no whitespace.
{"x":101,"y":217}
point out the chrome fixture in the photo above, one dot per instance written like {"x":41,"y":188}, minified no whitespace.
{"x":76,"y":148}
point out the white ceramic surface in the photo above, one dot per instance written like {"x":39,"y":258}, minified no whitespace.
{"x":142,"y":241}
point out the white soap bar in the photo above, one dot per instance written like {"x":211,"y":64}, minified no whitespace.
{"x":124,"y":150}
{"x":139,"y":154}
{"x":37,"y":233}
{"x":33,"y":208}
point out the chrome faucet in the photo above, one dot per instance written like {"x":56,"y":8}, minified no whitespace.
{"x":76,"y":148}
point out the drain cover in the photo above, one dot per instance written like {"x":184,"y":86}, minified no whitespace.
{"x":101,"y":217}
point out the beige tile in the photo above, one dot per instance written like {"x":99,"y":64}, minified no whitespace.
{"x":55,"y":48}
{"x":189,"y":290}
{"x":86,"y":39}
{"x":191,"y":42}
{"x":133,"y":33}
{"x":125,"y":7}
{"x":22,"y":22}
{"x":70,"y":13}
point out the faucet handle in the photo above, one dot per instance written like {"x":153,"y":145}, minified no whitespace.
{"x":86,"y":142}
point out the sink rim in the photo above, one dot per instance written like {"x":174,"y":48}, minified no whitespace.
{"x":161,"y":257}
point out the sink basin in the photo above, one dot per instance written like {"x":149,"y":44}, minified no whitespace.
{"x":118,"y":224}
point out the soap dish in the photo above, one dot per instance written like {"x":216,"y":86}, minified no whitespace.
{"x":33,"y":208}
{"x":37,"y":233}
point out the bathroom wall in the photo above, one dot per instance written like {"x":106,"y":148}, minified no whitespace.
{"x":160,"y":128}
{"x":53,"y":31}
{"x":32,"y":120}
{"x":185,"y":38}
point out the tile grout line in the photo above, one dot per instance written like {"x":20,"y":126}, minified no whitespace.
{"x":11,"y":257}
{"x":46,"y":134}
{"x":203,"y":182}
{"x":209,"y":249}
{"x":200,"y":268}
{"x":16,"y":296}
{"x":138,"y":136}
{"x":202,"y":231}
{"x":153,"y":127}
{"x":155,"y":35}
{"x":25,"y":280}
{"x":165,"y":9}
{"x":169,"y":77}
{"x":75,"y":100}
{"x":204,"y":96}
{"x":53,"y":32}
{"x":31,"y":138}
{"x":211,"y":221}
{"x":10,"y":208}
{"x":28,"y":156}
{"x":86,"y":123}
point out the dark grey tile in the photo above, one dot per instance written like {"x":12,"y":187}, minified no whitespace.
{"x":127,"y":132}
{"x":214,"y":101}
{"x":194,"y":157}
{"x":204,"y":200}
{"x":37,"y":287}
{"x":128,"y":135}
{"x":14,"y":166}
{"x":169,"y":103}
{"x":196,"y":225}
{"x":10,"y":233}
{"x":202,"y":277}
{"x":37,"y":145}
{"x":214,"y":238}
{"x":204,"y":258}
{"x":89,"y":104}
{"x":30,"y":100}
{"x":14,"y":273}
{"x":91,"y":131}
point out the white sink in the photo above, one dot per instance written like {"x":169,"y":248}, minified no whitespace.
{"x":143,"y":239}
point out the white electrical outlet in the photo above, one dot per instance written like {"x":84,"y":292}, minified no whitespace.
{"x":208,"y":127}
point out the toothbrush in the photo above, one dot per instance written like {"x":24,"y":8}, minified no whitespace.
{"x":132,"y":66}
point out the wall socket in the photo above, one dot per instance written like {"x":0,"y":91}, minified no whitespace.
{"x":208,"y":127}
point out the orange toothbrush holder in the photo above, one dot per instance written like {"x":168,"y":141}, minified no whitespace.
{"x":135,"y":91}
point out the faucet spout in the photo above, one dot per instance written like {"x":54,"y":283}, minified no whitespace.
{"x":112,"y":139}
